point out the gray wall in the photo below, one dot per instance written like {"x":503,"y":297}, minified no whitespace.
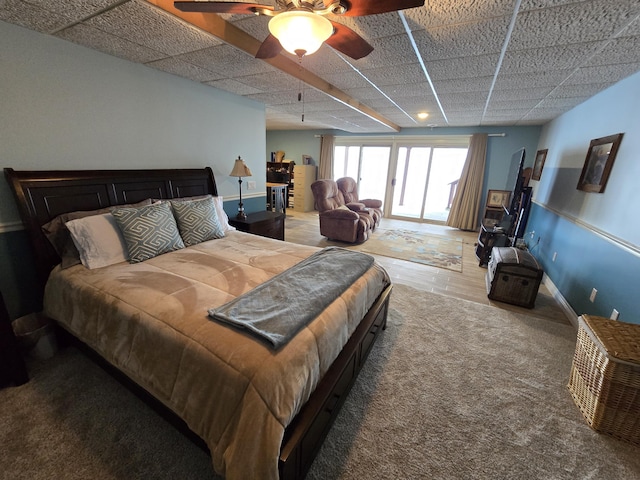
{"x":67,"y":107}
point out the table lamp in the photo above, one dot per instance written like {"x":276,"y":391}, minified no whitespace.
{"x":240,"y":170}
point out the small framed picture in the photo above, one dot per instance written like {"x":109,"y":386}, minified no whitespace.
{"x":498,"y":198}
{"x":597,"y":166}
{"x":538,"y":165}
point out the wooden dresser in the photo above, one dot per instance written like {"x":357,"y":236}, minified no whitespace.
{"x":303,"y":177}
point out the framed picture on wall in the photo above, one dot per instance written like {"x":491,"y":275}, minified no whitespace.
{"x":538,"y":165}
{"x":597,"y":166}
{"x":498,"y":198}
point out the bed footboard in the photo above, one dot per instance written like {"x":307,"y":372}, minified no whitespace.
{"x":305,"y":434}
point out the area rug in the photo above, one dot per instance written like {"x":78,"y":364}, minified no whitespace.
{"x":434,"y":250}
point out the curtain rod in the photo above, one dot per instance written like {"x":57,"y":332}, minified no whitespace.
{"x":488,"y":135}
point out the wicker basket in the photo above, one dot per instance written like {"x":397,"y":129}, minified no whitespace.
{"x":605,"y":376}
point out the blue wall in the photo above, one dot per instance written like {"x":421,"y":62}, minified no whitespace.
{"x":586,"y":260}
{"x":596,"y":236}
{"x":65,"y":106}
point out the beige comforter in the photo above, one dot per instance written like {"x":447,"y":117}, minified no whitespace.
{"x":150,"y":320}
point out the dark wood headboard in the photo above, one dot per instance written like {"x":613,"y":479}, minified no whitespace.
{"x":43,"y":195}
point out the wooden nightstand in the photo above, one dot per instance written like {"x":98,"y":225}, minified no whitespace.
{"x":265,"y":224}
{"x":12,"y":367}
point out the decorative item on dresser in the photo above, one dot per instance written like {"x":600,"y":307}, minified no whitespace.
{"x":265,"y":224}
{"x":240,"y":170}
{"x":12,"y":367}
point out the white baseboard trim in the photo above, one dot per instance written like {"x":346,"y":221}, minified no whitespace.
{"x":11,"y":227}
{"x":566,"y":308}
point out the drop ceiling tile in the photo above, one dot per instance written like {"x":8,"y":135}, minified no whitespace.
{"x":144,"y":24}
{"x":345,"y":80}
{"x":584,"y":90}
{"x":437,"y":13}
{"x":463,"y":67}
{"x":364,"y":93}
{"x":233,"y":86}
{"x":534,"y":79}
{"x":409,"y":73}
{"x":564,"y":103}
{"x":462,"y":40}
{"x":32,"y":17}
{"x":495,"y":104}
{"x":620,"y":50}
{"x":563,"y":57}
{"x":387,"y":52}
{"x":73,"y":9}
{"x":480,"y":84}
{"x":569,"y":24}
{"x":371,"y":27}
{"x":409,"y":90}
{"x":176,"y":66}
{"x":610,"y":73}
{"x":520,"y":94}
{"x":110,"y":44}
{"x":325,"y":61}
{"x":226,"y":60}
{"x":274,"y":82}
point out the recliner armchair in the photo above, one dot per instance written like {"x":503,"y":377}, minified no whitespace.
{"x":349,"y":189}
{"x":352,"y":223}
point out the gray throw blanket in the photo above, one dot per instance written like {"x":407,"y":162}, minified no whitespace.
{"x":278,"y":309}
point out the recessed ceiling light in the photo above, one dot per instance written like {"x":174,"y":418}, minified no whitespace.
{"x":423,"y":115}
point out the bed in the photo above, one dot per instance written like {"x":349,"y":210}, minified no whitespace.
{"x":263,"y":413}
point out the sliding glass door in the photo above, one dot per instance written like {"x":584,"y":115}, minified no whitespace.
{"x":425,"y":181}
{"x":415,"y":177}
{"x":367,"y":165}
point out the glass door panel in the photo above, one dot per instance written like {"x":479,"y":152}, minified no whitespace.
{"x":446,"y":167}
{"x":374,"y":167}
{"x":346,"y":162}
{"x":410,"y":181}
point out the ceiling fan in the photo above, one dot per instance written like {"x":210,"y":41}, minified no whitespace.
{"x":300,"y":27}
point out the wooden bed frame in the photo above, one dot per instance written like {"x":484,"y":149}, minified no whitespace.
{"x":43,"y":195}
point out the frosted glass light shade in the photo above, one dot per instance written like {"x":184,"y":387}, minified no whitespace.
{"x":300,"y":32}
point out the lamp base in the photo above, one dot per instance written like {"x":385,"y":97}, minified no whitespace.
{"x":241,"y":216}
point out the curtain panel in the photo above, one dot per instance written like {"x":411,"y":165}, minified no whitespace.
{"x":466,"y":202}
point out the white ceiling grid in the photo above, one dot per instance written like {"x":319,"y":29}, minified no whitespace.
{"x":559,"y":53}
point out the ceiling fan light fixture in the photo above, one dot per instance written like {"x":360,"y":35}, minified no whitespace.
{"x":300,"y":32}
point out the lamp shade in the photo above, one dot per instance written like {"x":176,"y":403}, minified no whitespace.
{"x":240,"y":169}
{"x":300,"y":32}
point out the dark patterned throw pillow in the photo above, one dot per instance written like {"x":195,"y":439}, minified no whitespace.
{"x":148,"y":231}
{"x":197,"y":220}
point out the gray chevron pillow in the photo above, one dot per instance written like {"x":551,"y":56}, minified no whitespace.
{"x":148,"y":231}
{"x":197,"y":220}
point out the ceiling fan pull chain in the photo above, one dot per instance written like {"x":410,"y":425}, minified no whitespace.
{"x":301,"y":92}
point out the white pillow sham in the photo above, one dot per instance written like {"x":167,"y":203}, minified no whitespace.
{"x":98,"y":240}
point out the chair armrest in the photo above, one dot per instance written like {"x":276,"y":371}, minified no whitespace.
{"x":340,"y":213}
{"x":372,"y":203}
{"x":356,"y":206}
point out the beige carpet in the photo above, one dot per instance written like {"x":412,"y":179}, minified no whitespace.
{"x":434,"y":250}
{"x":452,"y":390}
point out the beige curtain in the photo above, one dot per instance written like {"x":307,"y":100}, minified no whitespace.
{"x":325,"y":169}
{"x":466,"y":202}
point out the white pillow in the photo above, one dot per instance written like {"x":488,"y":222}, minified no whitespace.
{"x":222,"y":215}
{"x":98,"y":240}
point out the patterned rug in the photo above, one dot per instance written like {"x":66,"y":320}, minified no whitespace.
{"x":435,"y":250}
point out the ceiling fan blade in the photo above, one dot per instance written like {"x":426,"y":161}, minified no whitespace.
{"x":220,"y":7}
{"x":348,"y":42}
{"x":360,"y":8}
{"x":269,"y":48}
